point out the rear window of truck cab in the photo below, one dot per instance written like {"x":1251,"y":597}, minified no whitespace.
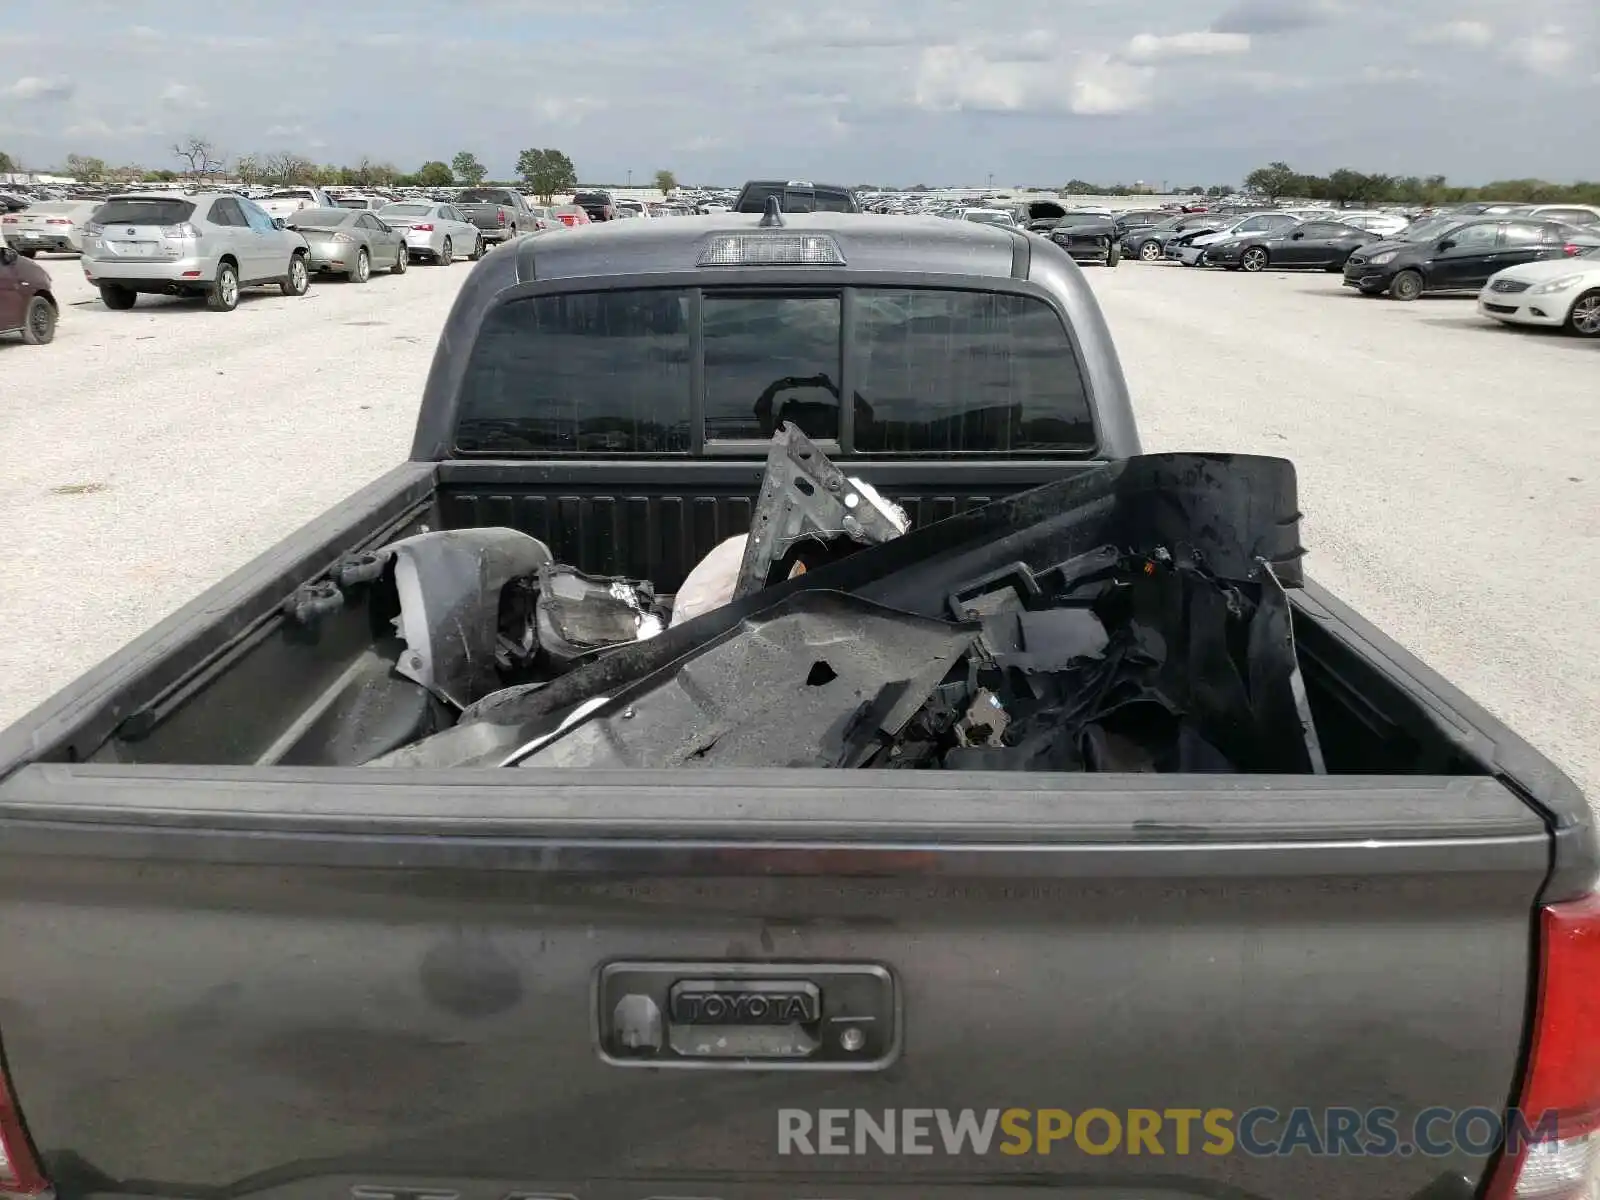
{"x":679,"y":371}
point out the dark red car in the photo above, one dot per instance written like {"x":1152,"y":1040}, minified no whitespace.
{"x":27,"y":301}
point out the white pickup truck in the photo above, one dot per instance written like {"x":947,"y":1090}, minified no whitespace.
{"x":285,"y":202}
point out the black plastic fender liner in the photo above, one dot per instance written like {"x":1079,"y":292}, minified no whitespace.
{"x":788,"y":683}
{"x":1233,"y":510}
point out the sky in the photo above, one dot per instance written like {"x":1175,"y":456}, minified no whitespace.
{"x":953,"y":92}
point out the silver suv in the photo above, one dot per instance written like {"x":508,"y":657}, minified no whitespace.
{"x":189,"y":244}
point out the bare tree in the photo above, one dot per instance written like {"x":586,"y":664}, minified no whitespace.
{"x":248,"y":168}
{"x":285,"y":166}
{"x":201,"y":155}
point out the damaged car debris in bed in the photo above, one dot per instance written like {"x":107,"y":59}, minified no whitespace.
{"x":1124,"y":620}
{"x":778,"y":608}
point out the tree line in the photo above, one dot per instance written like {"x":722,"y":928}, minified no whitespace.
{"x":1278,"y":180}
{"x":541,"y":172}
{"x":547,"y":172}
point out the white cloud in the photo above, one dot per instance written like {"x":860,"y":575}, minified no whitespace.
{"x":145,"y":33}
{"x":1391,"y":74}
{"x":90,"y":127}
{"x":1457,"y":33}
{"x":95,"y":127}
{"x":1267,"y":83}
{"x":1203,"y":43}
{"x":963,"y":78}
{"x":1545,"y":53}
{"x":236,"y":42}
{"x":184,"y":97}
{"x":1037,"y":45}
{"x":34,"y":87}
{"x":567,"y":108}
{"x":957,"y":78}
{"x":285,"y":131}
{"x":1102,"y":86}
{"x":703,"y":143}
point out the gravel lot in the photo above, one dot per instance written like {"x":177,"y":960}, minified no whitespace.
{"x":1450,"y":471}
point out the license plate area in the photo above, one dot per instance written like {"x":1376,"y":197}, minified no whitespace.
{"x":134,"y":249}
{"x":733,"y":1016}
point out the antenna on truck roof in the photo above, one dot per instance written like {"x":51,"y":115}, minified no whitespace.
{"x":772,"y":217}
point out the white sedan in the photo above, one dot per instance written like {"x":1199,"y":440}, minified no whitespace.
{"x":989,"y":216}
{"x":433,"y":231}
{"x":1556,"y":292}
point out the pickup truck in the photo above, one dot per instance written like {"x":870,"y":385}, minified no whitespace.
{"x":312,"y":891}
{"x":600,"y":206}
{"x":500,"y":213}
{"x":285,"y":202}
{"x":796,"y":196}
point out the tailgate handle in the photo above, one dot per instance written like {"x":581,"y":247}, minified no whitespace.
{"x":841,"y":1017}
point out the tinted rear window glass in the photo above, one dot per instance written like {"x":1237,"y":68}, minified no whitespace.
{"x":944,"y":372}
{"x":143,"y":212}
{"x":586,"y":372}
{"x":936,"y":372}
{"x":770,"y":360}
{"x":796,"y":200}
{"x":405,"y":210}
{"x":314,"y":218}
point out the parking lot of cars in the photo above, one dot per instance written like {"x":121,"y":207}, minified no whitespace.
{"x":1447,"y":463}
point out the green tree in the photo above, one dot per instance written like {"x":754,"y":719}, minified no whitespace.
{"x":546,"y":172}
{"x":248,"y":168}
{"x":8,"y":164}
{"x":1274,"y":181}
{"x":435,"y":174}
{"x":666,"y":181}
{"x":468,"y":169}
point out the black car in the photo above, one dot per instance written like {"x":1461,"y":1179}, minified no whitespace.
{"x":1310,"y":244}
{"x":1088,"y":237}
{"x":1151,"y":244}
{"x":796,"y":196}
{"x":1129,"y":223}
{"x":1457,"y":256}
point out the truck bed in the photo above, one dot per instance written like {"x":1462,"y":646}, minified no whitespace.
{"x":298,"y":978}
{"x":227,"y":689}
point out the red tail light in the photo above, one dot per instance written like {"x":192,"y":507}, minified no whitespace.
{"x":1572,"y":251}
{"x":58,"y":221}
{"x":501,"y":213}
{"x":423,"y":228}
{"x":1563,"y":1068}
{"x":10,"y":220}
{"x":20,"y":1174}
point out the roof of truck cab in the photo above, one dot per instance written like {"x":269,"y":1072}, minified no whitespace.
{"x":867,"y":243}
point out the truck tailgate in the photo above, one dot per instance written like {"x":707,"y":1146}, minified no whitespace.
{"x":303,"y":982}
